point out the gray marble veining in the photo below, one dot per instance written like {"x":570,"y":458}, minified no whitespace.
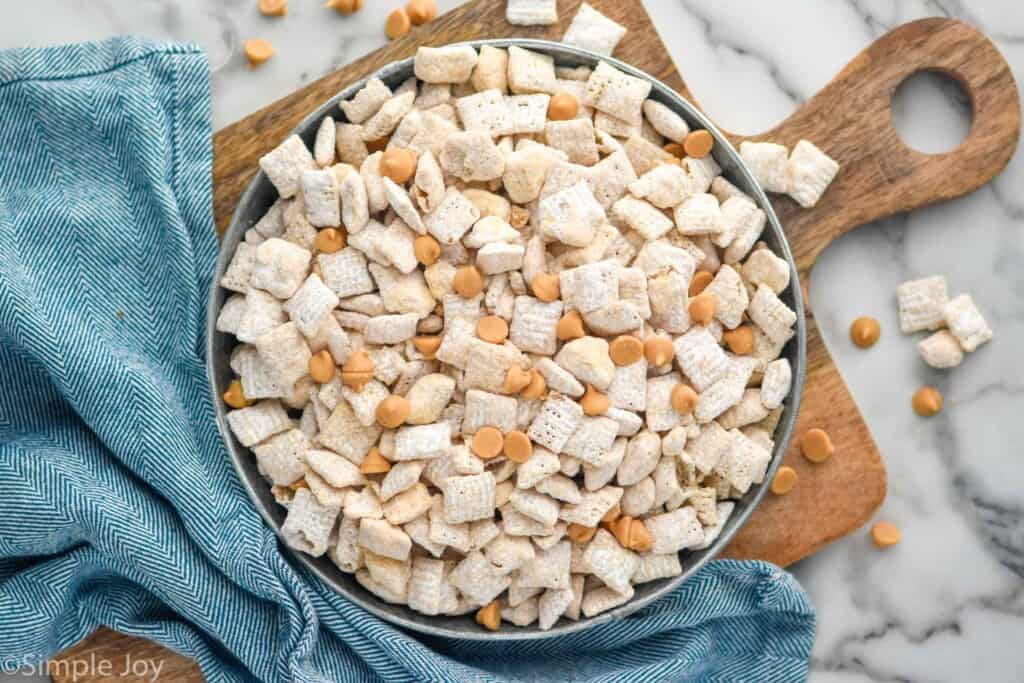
{"x":947,"y":603}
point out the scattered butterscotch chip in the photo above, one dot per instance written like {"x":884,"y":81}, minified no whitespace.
{"x":563,"y":107}
{"x":378,"y":145}
{"x":487,"y":442}
{"x":684,"y":399}
{"x":580,"y":533}
{"x":740,"y":341}
{"x":927,"y":401}
{"x":398,"y":164}
{"x":537,"y":386}
{"x":570,"y":326}
{"x":698,"y":143}
{"x":428,"y":346}
{"x":885,"y":534}
{"x":492,"y":329}
{"x":392,"y":411}
{"x":468,"y":282}
{"x":345,"y":6}
{"x":784,"y":481}
{"x":658,"y":351}
{"x":258,"y":51}
{"x":518,"y":447}
{"x":357,"y":370}
{"x":397,"y":24}
{"x":865,"y":331}
{"x":235,"y":397}
{"x":701,"y":279}
{"x":374,"y":463}
{"x":675,"y":149}
{"x":702,"y":308}
{"x":490,"y":616}
{"x":546,"y":287}
{"x":594,"y":402}
{"x":329,"y":240}
{"x":421,"y":11}
{"x":612,"y":514}
{"x":427,"y":249}
{"x":816,"y":445}
{"x":322,"y":366}
{"x":273,"y":8}
{"x":625,"y":350}
{"x":516,"y":379}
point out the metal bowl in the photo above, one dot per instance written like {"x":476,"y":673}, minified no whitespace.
{"x":261,"y":194}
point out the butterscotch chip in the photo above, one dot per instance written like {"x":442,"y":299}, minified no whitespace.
{"x":570,"y":326}
{"x":321,"y":366}
{"x":612,"y":514}
{"x":329,"y":240}
{"x":684,"y":399}
{"x":675,"y":149}
{"x":468,"y":282}
{"x":421,"y":11}
{"x":546,"y":287}
{"x":816,"y":445}
{"x":357,"y":370}
{"x":626,"y":350}
{"x":927,"y":401}
{"x":392,"y":411}
{"x":235,"y":397}
{"x":397,"y":24}
{"x":518,"y":447}
{"x":537,"y":386}
{"x":258,"y":51}
{"x":427,"y":249}
{"x":398,"y":164}
{"x":639,"y":538}
{"x":487,"y":442}
{"x":490,"y":616}
{"x":300,"y":484}
{"x":865,"y":331}
{"x":702,"y":308}
{"x":516,"y":379}
{"x":594,"y":402}
{"x":345,"y":6}
{"x":620,"y":528}
{"x":701,"y":279}
{"x":378,"y":145}
{"x":740,"y":341}
{"x":698,"y":144}
{"x":374,"y":463}
{"x":885,"y":534}
{"x":428,"y":346}
{"x":273,"y":8}
{"x":492,"y":329}
{"x":580,"y":533}
{"x":658,"y":351}
{"x":784,"y":481}
{"x":563,"y":107}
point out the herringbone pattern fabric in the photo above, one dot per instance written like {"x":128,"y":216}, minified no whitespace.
{"x":118,"y":504}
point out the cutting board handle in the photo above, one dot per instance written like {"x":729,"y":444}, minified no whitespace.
{"x":851,"y":120}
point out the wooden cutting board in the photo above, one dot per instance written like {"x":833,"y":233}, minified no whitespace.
{"x":850,"y":119}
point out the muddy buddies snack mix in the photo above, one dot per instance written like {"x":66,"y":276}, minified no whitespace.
{"x":476,"y":366}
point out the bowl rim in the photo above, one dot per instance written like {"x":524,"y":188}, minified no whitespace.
{"x":783,"y":433}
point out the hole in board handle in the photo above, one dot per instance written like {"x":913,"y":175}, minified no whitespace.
{"x":932,"y":112}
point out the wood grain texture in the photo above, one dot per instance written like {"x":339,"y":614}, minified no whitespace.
{"x":850,"y":119}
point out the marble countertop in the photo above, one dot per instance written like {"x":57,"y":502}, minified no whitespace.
{"x":947,"y":603}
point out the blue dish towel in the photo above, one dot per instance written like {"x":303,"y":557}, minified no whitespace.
{"x":118,"y":504}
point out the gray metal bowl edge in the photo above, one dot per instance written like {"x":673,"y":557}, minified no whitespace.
{"x":258,"y":197}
